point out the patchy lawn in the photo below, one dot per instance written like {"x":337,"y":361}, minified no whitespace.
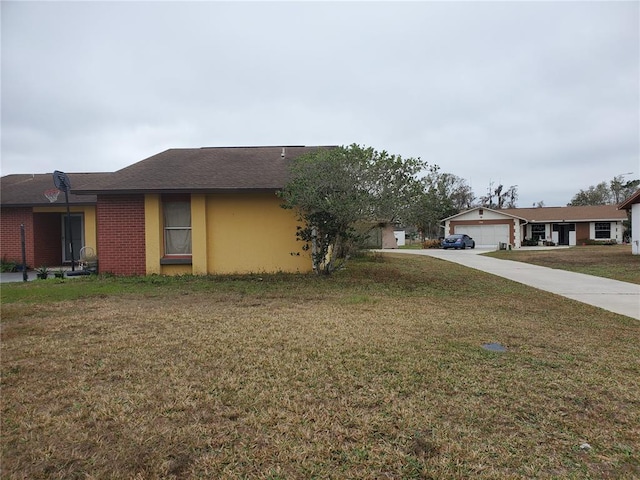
{"x":376,"y":373}
{"x":610,"y":261}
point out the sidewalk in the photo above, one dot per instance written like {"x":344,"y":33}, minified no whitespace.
{"x":613,"y":295}
{"x":14,"y":277}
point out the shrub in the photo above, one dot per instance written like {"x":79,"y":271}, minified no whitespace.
{"x":530,"y":242}
{"x":590,"y":241}
{"x":431,"y":244}
{"x":8,"y":265}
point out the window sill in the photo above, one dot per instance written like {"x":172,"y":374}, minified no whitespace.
{"x":175,"y":261}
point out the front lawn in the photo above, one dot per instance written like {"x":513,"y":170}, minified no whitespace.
{"x":609,"y":261}
{"x":376,"y":373}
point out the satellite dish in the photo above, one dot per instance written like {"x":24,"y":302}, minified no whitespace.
{"x":61,"y":181}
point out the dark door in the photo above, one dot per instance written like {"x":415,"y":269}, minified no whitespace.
{"x":563,"y":230}
{"x":77,"y":233}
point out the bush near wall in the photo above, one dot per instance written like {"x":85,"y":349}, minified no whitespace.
{"x":431,"y":244}
{"x":530,"y":242}
{"x":589,"y":241}
{"x":8,"y":265}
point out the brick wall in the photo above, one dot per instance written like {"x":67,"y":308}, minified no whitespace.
{"x":121,"y":237}
{"x":47,"y":239}
{"x":582,"y":232}
{"x":10,"y":245}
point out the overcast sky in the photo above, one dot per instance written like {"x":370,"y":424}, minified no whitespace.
{"x":543,"y":95}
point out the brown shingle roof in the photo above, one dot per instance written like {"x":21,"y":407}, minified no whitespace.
{"x":23,"y":190}
{"x":569,"y":214}
{"x":202,"y":169}
{"x":626,"y":205}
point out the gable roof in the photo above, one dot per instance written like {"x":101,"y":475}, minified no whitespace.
{"x":500,"y":212}
{"x":587,"y":213}
{"x":202,"y":170}
{"x":590,"y":213}
{"x":26,"y":190}
{"x":633,"y":199}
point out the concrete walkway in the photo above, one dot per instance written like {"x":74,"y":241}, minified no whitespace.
{"x":613,"y":295}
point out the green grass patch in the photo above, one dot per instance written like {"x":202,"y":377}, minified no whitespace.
{"x":377,"y":372}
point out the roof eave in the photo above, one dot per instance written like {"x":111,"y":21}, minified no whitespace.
{"x":47,"y":204}
{"x":632,"y":200}
{"x":484,"y":208}
{"x":175,"y":191}
{"x":578,"y":220}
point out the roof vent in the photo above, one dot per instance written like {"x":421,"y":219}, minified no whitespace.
{"x":283,"y":152}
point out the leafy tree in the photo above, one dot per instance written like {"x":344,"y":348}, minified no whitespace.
{"x":599,"y":194}
{"x":444,"y":195}
{"x":335,"y":189}
{"x":606,"y":193}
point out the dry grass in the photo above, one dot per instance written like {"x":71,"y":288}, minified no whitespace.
{"x":377,"y":373}
{"x":610,"y":261}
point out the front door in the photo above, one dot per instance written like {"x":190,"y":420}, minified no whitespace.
{"x":564,"y":230}
{"x":77,"y":234}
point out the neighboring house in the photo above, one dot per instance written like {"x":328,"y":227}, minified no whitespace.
{"x":23,"y":202}
{"x":560,"y":225}
{"x":633,"y":204}
{"x":198,"y":211}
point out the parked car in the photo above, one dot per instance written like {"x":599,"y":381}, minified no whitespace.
{"x":459,"y":240}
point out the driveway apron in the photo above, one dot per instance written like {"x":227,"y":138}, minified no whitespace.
{"x":613,"y":295}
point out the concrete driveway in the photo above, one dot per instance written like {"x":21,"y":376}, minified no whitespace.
{"x":613,"y":295}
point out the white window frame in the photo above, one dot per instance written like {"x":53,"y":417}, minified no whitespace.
{"x":597,"y":230}
{"x":169,"y":229}
{"x":544,"y":232}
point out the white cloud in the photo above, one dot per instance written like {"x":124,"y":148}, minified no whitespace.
{"x":544,"y":95}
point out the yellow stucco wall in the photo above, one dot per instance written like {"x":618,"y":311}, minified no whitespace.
{"x":153,"y":233}
{"x":90,"y":221}
{"x":230,"y":233}
{"x":199,"y":234}
{"x":251,"y":233}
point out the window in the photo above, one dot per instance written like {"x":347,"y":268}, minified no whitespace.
{"x":538,"y":231}
{"x":177,"y":228}
{"x":603,"y":230}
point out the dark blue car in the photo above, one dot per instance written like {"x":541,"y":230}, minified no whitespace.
{"x":459,"y":240}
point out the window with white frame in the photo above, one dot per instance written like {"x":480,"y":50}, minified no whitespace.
{"x":603,"y":230}
{"x":177,"y":227}
{"x":538,"y":231}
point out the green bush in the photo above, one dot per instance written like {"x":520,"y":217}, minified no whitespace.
{"x":8,"y":265}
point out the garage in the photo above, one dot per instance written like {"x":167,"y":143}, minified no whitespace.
{"x":487,"y":227}
{"x":485,"y":235}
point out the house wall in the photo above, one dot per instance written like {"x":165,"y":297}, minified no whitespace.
{"x":616,"y":231}
{"x":43,"y":240}
{"x":121,"y":234}
{"x":252,"y":233}
{"x":635,"y":229}
{"x":388,"y":237}
{"x":230,"y":233}
{"x":583,"y":232}
{"x":89,"y":222}
{"x":10,"y":243}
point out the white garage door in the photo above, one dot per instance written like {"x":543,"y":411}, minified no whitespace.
{"x":486,"y":235}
